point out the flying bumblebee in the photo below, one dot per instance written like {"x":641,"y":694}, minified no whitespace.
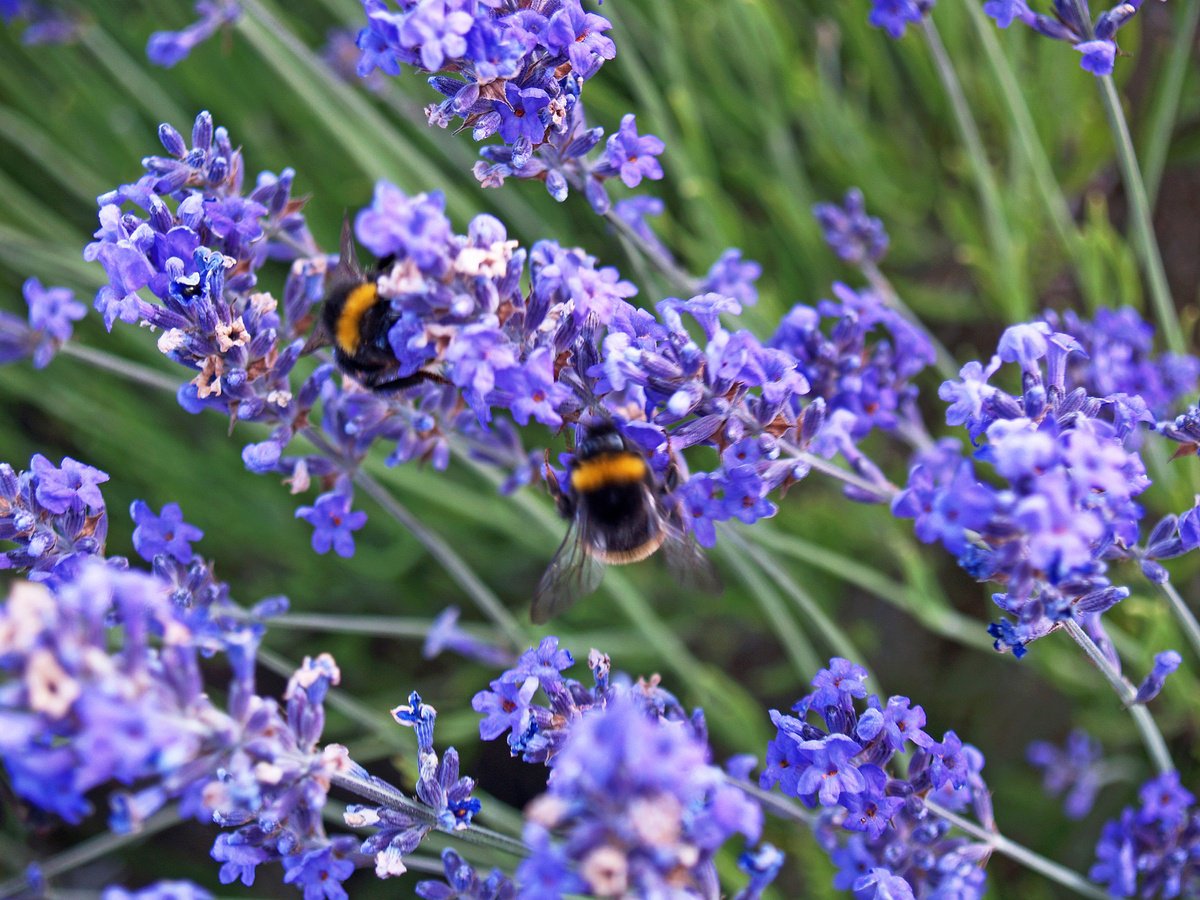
{"x":355,"y":320}
{"x":619,"y":513}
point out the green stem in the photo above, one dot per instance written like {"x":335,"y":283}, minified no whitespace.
{"x":118,"y":365}
{"x":455,"y":566}
{"x":946,"y":364}
{"x":1166,"y":99}
{"x":384,"y":794}
{"x":1156,"y":746}
{"x":941,"y":620}
{"x":985,"y":182}
{"x":93,"y":848}
{"x":392,"y":626}
{"x":1141,"y":219}
{"x":1021,"y":854}
{"x":1048,"y":186}
{"x":836,"y":640}
{"x":796,"y":645}
{"x":1191,"y":628}
{"x":774,"y":802}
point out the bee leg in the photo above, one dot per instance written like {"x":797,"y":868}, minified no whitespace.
{"x":405,"y":382}
{"x":564,"y":504}
{"x":671,"y":482}
{"x":319,"y":338}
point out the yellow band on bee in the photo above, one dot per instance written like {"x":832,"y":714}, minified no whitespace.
{"x":358,"y":301}
{"x":616,"y":468}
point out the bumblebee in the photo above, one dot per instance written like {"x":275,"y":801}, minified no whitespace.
{"x":355,"y":321}
{"x":619,"y":514}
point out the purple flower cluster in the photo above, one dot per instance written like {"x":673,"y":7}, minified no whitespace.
{"x":640,"y":809}
{"x":101,"y":682}
{"x":1153,"y":850}
{"x":859,"y":355}
{"x":166,"y":48}
{"x":1097,"y":42}
{"x":86,"y":704}
{"x":446,"y":797}
{"x":853,"y":235}
{"x":1067,"y":501}
{"x":43,"y":23}
{"x":52,"y":310}
{"x":1118,"y":358}
{"x":568,"y":349}
{"x":196,"y":249}
{"x":895,"y":16}
{"x":515,"y":69}
{"x":894,"y":841}
{"x":1076,"y":770}
{"x":631,"y":783}
{"x":55,"y":515}
{"x":463,"y":884}
{"x":537,"y":732}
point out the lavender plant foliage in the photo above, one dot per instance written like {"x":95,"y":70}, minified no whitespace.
{"x":874,"y":820}
{"x":1065,"y":503}
{"x":49,"y":324}
{"x":1152,"y":850}
{"x":631,"y":786}
{"x":1096,"y":41}
{"x":517,"y":70}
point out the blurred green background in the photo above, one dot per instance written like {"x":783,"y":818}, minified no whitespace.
{"x":766,"y":106}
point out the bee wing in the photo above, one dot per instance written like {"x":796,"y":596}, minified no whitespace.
{"x":573,"y":573}
{"x":687,"y":560}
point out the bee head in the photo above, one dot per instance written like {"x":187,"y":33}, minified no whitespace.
{"x":600,"y":438}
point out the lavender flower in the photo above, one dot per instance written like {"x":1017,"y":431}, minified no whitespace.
{"x":627,"y":760}
{"x":1152,"y":850}
{"x":895,"y":843}
{"x":463,"y":884}
{"x":1119,"y":359}
{"x":165,"y":533}
{"x":162,"y":890}
{"x":1165,"y":663}
{"x":56,"y":517}
{"x":43,"y":23}
{"x":853,"y":235}
{"x":895,"y":16}
{"x":1077,"y":770}
{"x":517,"y":70}
{"x":642,"y":810}
{"x":1070,"y":476}
{"x":446,"y":796}
{"x":51,"y":314}
{"x":445,"y":634}
{"x":631,"y":156}
{"x":166,"y":48}
{"x":1095,"y":41}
